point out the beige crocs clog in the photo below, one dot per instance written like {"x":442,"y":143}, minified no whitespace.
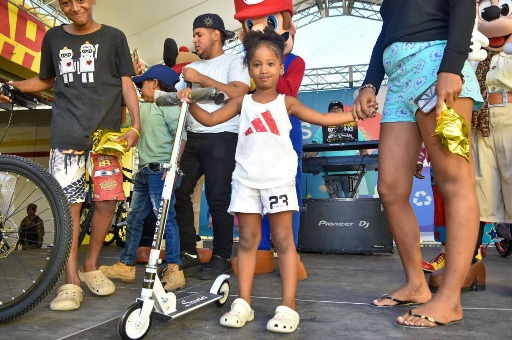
{"x":68,"y":298}
{"x":97,"y":282}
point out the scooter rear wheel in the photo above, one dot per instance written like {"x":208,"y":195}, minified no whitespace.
{"x":131,"y":326}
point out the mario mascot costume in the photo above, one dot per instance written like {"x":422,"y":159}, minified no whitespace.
{"x":492,"y":133}
{"x":256,"y":15}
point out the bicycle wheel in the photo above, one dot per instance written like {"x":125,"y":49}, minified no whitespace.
{"x":27,"y":276}
{"x":119,"y":225}
{"x":503,"y":243}
{"x":85,"y":220}
{"x":504,"y":247}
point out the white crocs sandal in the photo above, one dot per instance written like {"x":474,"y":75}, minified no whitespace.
{"x":239,"y":314}
{"x":285,"y":320}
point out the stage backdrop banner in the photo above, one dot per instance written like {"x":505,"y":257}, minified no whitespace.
{"x":21,"y":36}
{"x":313,"y":186}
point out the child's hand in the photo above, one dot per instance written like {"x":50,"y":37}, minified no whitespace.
{"x":373,"y":107}
{"x":364,"y":104}
{"x":184,"y":95}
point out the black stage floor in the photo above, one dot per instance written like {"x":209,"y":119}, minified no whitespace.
{"x":333,"y":304}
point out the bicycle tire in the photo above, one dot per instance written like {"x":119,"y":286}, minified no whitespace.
{"x":28,"y":276}
{"x":504,"y":247}
{"x":86,"y":213}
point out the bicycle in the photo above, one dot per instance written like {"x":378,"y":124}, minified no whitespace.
{"x":28,"y":276}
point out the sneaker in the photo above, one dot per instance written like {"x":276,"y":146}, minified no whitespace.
{"x":173,"y":278}
{"x":119,"y":270}
{"x":189,"y":260}
{"x":434,"y":264}
{"x":217,"y":266}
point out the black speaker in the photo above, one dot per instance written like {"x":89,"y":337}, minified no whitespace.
{"x":344,"y":225}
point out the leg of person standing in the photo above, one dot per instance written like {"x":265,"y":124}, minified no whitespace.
{"x":455,"y":177}
{"x":191,"y":166}
{"x":217,"y":154}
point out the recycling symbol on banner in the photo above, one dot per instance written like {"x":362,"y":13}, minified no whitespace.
{"x":421,"y":198}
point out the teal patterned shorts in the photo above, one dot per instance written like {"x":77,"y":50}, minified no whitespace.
{"x":411,"y":69}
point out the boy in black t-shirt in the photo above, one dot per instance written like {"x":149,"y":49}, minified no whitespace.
{"x":89,"y":67}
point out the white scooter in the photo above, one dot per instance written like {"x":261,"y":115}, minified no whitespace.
{"x":154,"y":301}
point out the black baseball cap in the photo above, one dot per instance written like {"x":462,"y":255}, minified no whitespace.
{"x":334,"y":104}
{"x":210,"y":20}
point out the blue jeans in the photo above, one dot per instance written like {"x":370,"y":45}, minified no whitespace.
{"x":337,"y":186}
{"x":147,"y":192}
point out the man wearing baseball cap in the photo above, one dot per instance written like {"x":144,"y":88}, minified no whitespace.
{"x":210,"y":151}
{"x":338,"y":184}
{"x":212,"y":21}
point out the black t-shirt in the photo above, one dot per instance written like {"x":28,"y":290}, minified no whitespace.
{"x":425,"y":20}
{"x":340,"y":133}
{"x":87,"y":92}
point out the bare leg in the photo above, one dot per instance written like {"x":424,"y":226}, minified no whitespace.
{"x":282,"y":237}
{"x":72,"y":264}
{"x":399,"y":146}
{"x":250,"y":236}
{"x":455,"y":178}
{"x":101,"y":220}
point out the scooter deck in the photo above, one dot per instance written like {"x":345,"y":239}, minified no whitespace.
{"x":186,"y":302}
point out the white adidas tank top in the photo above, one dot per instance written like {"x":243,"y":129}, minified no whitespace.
{"x":264,"y":154}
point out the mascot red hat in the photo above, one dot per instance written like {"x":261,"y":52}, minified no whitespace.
{"x":247,"y":9}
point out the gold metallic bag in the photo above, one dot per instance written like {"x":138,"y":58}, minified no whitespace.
{"x":453,"y":131}
{"x":104,"y":142}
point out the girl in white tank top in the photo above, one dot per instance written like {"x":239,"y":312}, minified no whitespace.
{"x":265,"y":160}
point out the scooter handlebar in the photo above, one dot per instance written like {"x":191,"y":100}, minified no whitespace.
{"x":198,"y":95}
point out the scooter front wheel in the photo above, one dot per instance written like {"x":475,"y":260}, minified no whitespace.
{"x":132,"y":325}
{"x":224,"y":291}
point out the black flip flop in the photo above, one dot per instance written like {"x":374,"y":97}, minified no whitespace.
{"x":398,"y":302}
{"x":429,"y":319}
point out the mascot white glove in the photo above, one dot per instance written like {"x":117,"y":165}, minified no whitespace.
{"x":478,"y":40}
{"x":508,"y":48}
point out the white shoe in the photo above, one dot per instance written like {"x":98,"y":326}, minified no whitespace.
{"x":239,"y":314}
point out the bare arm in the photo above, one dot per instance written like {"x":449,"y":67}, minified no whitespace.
{"x":225,"y":113}
{"x":232,"y":89}
{"x":304,"y":113}
{"x":132,"y":103}
{"x":31,"y":85}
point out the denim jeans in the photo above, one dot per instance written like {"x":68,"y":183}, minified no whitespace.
{"x":337,"y":186}
{"x":147,"y":192}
